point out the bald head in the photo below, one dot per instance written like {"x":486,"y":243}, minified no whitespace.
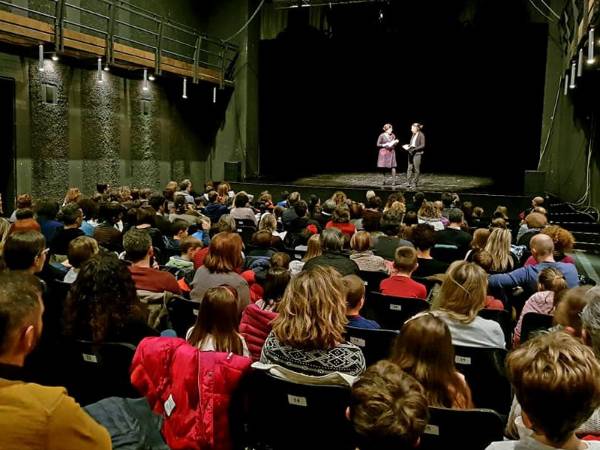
{"x":542,"y":247}
{"x":537,"y":201}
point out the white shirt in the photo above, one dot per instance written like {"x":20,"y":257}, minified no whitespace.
{"x":413,"y":140}
{"x":528,"y":443}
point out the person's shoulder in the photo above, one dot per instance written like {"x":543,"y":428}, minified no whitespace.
{"x":45,"y":397}
{"x":502,"y":445}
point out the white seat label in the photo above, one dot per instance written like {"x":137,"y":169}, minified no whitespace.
{"x":394,"y":307}
{"x":432,"y":429}
{"x":296,"y":400}
{"x":89,"y":358}
{"x":358,"y":341}
{"x":462,"y":360}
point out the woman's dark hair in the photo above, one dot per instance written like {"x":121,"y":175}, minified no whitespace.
{"x":313,"y":204}
{"x":89,"y":207}
{"x":371,"y":220}
{"x":102,"y":300}
{"x":180,"y":204}
{"x":47,"y":209}
{"x":110,"y":212}
{"x":341,"y":214}
{"x":418,"y":200}
{"x":356,"y":210}
{"x":423,"y":236}
{"x":390,"y":222}
{"x":276,"y":282}
{"x":145,"y":215}
{"x":241,"y":200}
{"x":157,"y":200}
{"x":374,"y":202}
{"x":70,"y":213}
{"x":300,"y":208}
{"x":411,"y":218}
{"x":22,"y":248}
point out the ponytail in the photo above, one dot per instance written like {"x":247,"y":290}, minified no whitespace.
{"x":552,"y":279}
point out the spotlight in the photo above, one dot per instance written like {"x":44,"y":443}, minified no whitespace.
{"x":145,"y":84}
{"x":580,"y":63}
{"x":151,"y":77}
{"x":590,"y":56}
{"x":55,"y":57}
{"x":572,"y":78}
{"x":184,"y":88}
{"x":99,"y":71}
{"x":41,"y":58}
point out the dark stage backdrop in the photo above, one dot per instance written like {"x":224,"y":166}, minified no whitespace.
{"x":474,"y":76}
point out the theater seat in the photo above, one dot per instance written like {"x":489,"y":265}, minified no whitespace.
{"x":467,"y":429}
{"x":182,"y":314}
{"x":533,"y":323}
{"x":504,"y":320}
{"x":391,"y":312}
{"x":375,"y":344}
{"x":484,"y":371}
{"x":284,"y":415}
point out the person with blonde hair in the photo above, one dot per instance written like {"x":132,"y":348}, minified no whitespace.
{"x":498,"y":245}
{"x":480,"y":238}
{"x":461,"y":297}
{"x":308,"y":334}
{"x":361,"y":244}
{"x":557,"y":383}
{"x":428,"y":213}
{"x":424,"y":350}
{"x":313,"y":249}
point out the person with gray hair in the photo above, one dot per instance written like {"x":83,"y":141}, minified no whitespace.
{"x":332,"y":244}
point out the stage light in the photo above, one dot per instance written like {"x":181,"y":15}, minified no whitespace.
{"x":580,"y":63}
{"x":572,"y":78}
{"x":145,"y":84}
{"x":55,"y":57}
{"x":41,"y":58}
{"x":566,"y":83}
{"x":590,"y":58}
{"x":215,"y":94}
{"x":151,"y":77}
{"x":99,"y":71}
{"x":184,"y":88}
{"x":106,"y":68}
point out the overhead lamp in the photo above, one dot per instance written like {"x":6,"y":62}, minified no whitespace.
{"x":590,"y":56}
{"x":106,"y":67}
{"x":151,"y":77}
{"x":580,"y":63}
{"x":41,"y":58}
{"x":566,"y":83}
{"x":215,"y":94}
{"x":54,"y":57}
{"x":99,"y":71}
{"x":572,"y":77}
{"x":184,"y":88}
{"x":145,"y":84}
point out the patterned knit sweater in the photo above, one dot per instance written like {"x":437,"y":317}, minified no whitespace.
{"x":345,"y":358}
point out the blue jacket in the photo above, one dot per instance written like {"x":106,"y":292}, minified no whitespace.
{"x":527,"y":277}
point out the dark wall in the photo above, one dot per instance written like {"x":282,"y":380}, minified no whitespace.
{"x":475,"y":80}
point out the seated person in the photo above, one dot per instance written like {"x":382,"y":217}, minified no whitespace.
{"x":563,"y":244}
{"x":308,"y":333}
{"x":332,"y":244}
{"x":24,"y":222}
{"x":542,"y":249}
{"x":355,"y":300}
{"x":386,"y":245}
{"x":453,"y":236}
{"x":179,"y":230}
{"x":361,"y":244}
{"x":388,"y":409}
{"x":461,"y":297}
{"x":139,"y":251}
{"x":25,"y":250}
{"x":35,"y":416}
{"x":107,"y":233}
{"x":188,"y":246}
{"x":400,"y":284}
{"x":557,"y":383}
{"x":71,"y":216}
{"x":216,"y":207}
{"x":423,"y":237}
{"x":81,"y":249}
{"x":534,"y":223}
{"x":216,"y":328}
{"x":241,"y":208}
{"x":340,"y":219}
{"x":484,"y":260}
{"x":424,"y":350}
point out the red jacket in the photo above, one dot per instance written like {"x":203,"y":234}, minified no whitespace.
{"x":200,"y":385}
{"x":255,"y":327}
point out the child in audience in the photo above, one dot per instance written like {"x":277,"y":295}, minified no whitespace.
{"x":81,"y":249}
{"x":568,"y":308}
{"x":424,"y":350}
{"x":551,"y":282}
{"x":388,"y":409}
{"x":313,"y":249}
{"x":179,"y":230}
{"x":188,"y":246}
{"x":557,"y":383}
{"x":483,"y":259}
{"x":216,"y":328}
{"x":400,"y":284}
{"x":355,"y":300}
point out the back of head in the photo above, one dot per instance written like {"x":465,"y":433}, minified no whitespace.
{"x":541,"y":245}
{"x":70,"y":214}
{"x":371,"y":220}
{"x":280,"y":260}
{"x":447,"y":199}
{"x":81,"y":249}
{"x":355,"y":290}
{"x":537,"y":201}
{"x":332,"y":240}
{"x":241,"y":200}
{"x":463,"y":292}
{"x":388,"y":409}
{"x":568,"y":307}
{"x":189,"y":243}
{"x":277,"y":280}
{"x":341,"y":214}
{"x":557,"y":382}
{"x":564,"y":241}
{"x":552,"y":279}
{"x":361,"y":241}
{"x":136,"y":243}
{"x":179,"y":225}
{"x":480,"y":238}
{"x":312,"y":313}
{"x":225,"y":253}
{"x":456,"y":216}
{"x":300,"y":208}
{"x":46,"y":208}
{"x":89,"y":208}
{"x":498,"y":245}
{"x":20,"y":307}
{"x":423,"y":236}
{"x":390,"y":222}
{"x":483,"y":259}
{"x":429,"y":211}
{"x":405,"y":259}
{"x":226,"y":223}
{"x":329,"y":206}
{"x":157,"y":201}
{"x":294,"y":198}
{"x":145,"y":215}
{"x":22,"y":248}
{"x":590,"y":317}
{"x":536,"y":220}
{"x":262,"y":239}
{"x":313,"y":247}
{"x":24,"y":201}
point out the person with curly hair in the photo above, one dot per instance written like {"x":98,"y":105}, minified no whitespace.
{"x":563,"y":244}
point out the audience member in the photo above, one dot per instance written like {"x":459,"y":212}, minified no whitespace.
{"x":332,"y":244}
{"x":188,"y":246}
{"x":46,"y":211}
{"x":313,"y":249}
{"x":24,"y":222}
{"x":178,"y":231}
{"x":268,"y":222}
{"x":423,"y":237}
{"x":308,"y":333}
{"x":35,"y":416}
{"x":453,"y":236}
{"x":480,"y":238}
{"x":563,"y":244}
{"x":424,"y":350}
{"x":341,"y":220}
{"x":362,"y":255}
{"x":461,"y":297}
{"x":388,"y":409}
{"x":81,"y":249}
{"x":567,"y":312}
{"x":355,"y":300}
{"x":25,"y":250}
{"x":221,"y":266}
{"x":160,"y":205}
{"x":241,"y":209}
{"x":400,"y":284}
{"x":71,"y":216}
{"x":534,"y":223}
{"x":23,"y":201}
{"x":185,"y":190}
{"x":428,"y":213}
{"x":386,"y":245}
{"x":107,"y":233}
{"x":498,"y":245}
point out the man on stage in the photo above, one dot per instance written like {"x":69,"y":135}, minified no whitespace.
{"x":415,"y":153}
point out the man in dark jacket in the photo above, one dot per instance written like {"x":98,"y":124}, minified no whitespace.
{"x":215,"y":209}
{"x":332,"y":243}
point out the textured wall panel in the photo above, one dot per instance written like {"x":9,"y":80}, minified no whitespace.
{"x":100,"y":129}
{"x":49,"y":130}
{"x":145,"y":135}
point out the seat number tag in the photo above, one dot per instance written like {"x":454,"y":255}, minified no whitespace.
{"x":462,"y":360}
{"x":432,"y":429}
{"x":89,"y":358}
{"x":358,"y":341}
{"x":296,"y":400}
{"x":396,"y":307}
{"x":169,"y":405}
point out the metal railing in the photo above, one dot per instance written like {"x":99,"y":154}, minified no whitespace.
{"x":120,"y":22}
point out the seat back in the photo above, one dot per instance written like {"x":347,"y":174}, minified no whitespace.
{"x":375,"y":344}
{"x":504,"y":320}
{"x":484,"y":371}
{"x":182,"y":314}
{"x":307,"y":416}
{"x":533,"y":323}
{"x":246,"y":233}
{"x":97,"y":371}
{"x":446,"y":253}
{"x":469,"y":429}
{"x":391,"y":312}
{"x":372,"y":280}
{"x":429,"y":284}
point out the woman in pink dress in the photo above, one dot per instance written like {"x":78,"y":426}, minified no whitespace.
{"x":387,"y":154}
